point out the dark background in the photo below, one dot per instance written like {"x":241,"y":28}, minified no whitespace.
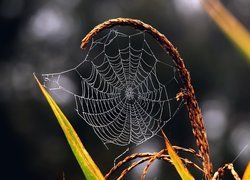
{"x":44,"y":36}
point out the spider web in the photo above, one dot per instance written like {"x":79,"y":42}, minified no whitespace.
{"x":125,"y":93}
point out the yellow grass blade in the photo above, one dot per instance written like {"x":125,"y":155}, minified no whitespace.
{"x":246,"y":175}
{"x":88,"y":166}
{"x":238,"y":34}
{"x":180,"y":167}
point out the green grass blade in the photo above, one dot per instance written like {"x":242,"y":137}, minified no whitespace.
{"x":88,"y":166}
{"x":179,"y":166}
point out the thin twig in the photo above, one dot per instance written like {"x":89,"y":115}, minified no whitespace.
{"x":124,"y":172}
{"x":220,"y":172}
{"x":187,"y":161}
{"x":190,"y":150}
{"x":150,"y":162}
{"x":127,"y":159}
{"x":150,"y":157}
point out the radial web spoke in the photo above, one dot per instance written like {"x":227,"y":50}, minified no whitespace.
{"x":121,"y":88}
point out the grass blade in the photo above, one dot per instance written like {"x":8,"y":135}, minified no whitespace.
{"x":180,"y":167}
{"x":88,"y":166}
{"x":246,"y":175}
{"x":236,"y":32}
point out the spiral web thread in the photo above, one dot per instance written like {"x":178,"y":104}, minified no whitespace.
{"x":121,"y":96}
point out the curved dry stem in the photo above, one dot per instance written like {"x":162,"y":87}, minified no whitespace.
{"x":190,"y":163}
{"x":189,"y":150}
{"x":147,"y":157}
{"x":138,"y":155}
{"x":127,"y":159}
{"x":125,"y":171}
{"x":220,"y":172}
{"x":150,"y":162}
{"x":194,"y":111}
{"x":186,"y":161}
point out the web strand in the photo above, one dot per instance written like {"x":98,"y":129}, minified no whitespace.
{"x":121,"y":95}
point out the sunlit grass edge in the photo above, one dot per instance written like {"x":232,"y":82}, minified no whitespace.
{"x":178,"y":164}
{"x":246,"y":175}
{"x":88,"y":166}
